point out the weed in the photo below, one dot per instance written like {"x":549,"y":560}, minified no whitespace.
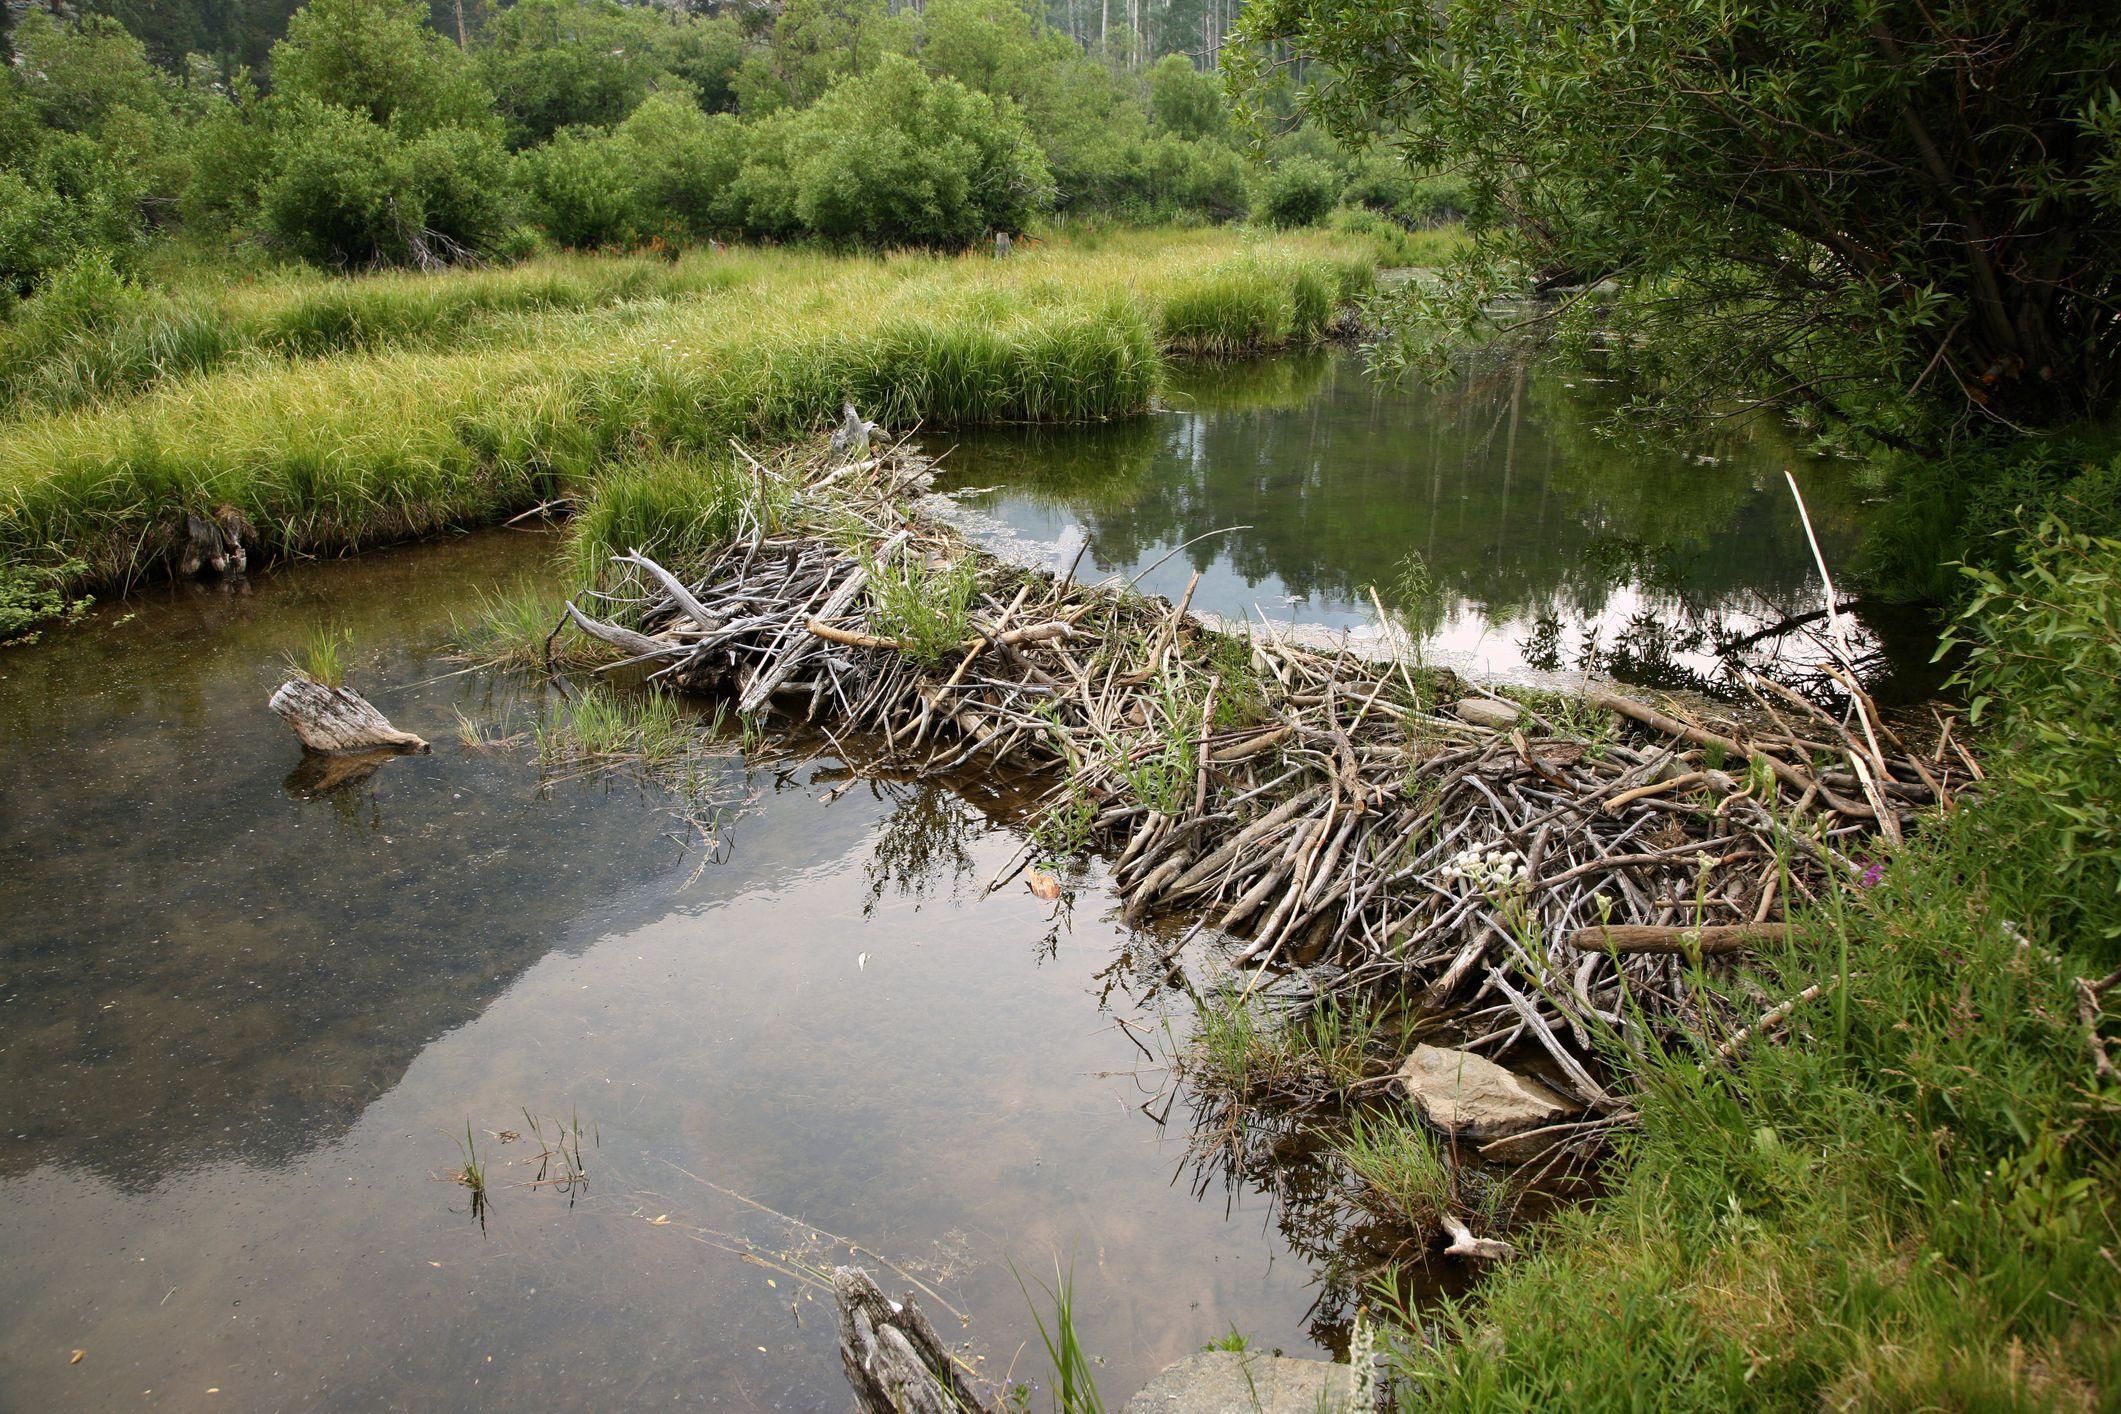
{"x":1403,"y":1171}
{"x":601,"y":725}
{"x":509,"y":625}
{"x":1074,"y":1381}
{"x":926,"y":607}
{"x":323,"y":657}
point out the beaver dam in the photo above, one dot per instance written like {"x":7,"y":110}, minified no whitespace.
{"x":1551,"y":878}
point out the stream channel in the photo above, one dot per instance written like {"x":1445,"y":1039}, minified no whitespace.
{"x":247,"y":1020}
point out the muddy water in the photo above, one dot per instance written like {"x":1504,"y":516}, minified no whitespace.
{"x":1491,"y":515}
{"x":244,"y":1026}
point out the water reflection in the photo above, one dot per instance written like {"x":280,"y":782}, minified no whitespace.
{"x":1537,"y":542}
{"x":245,"y":1022}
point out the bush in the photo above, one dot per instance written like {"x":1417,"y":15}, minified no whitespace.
{"x":572,"y":194}
{"x":1966,"y":507}
{"x":344,"y":192}
{"x":1192,"y":178}
{"x":2043,"y":675}
{"x":1184,"y":101}
{"x":464,"y":184}
{"x":682,"y":166}
{"x":1296,"y":192}
{"x":895,"y":158}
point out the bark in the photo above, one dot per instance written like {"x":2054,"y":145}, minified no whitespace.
{"x":333,"y":720}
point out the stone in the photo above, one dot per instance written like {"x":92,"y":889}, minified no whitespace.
{"x":1470,"y":1097}
{"x":1486,"y":712}
{"x":1245,"y":1381}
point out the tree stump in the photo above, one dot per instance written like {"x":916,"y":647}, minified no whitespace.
{"x":334,"y":720}
{"x":895,"y":1360}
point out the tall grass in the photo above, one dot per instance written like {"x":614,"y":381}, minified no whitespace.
{"x":341,"y":452}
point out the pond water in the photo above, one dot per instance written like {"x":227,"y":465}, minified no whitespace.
{"x":247,"y":1017}
{"x":245,"y":1022}
{"x":1491,"y":517}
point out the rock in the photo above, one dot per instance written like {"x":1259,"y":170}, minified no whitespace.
{"x":1472,"y":1098}
{"x":1486,"y":712}
{"x":1244,"y":1381}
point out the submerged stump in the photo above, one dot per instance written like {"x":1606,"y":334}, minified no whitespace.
{"x":336,"y":720}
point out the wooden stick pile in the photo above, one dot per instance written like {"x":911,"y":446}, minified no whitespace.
{"x":1545,"y":874}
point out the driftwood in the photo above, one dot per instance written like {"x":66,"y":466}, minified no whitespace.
{"x":894,"y":1359}
{"x":1547,"y":885}
{"x":336,"y":720}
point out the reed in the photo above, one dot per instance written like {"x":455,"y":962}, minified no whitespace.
{"x":328,"y":454}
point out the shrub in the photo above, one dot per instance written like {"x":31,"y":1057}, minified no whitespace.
{"x":895,"y":158}
{"x":2043,"y":674}
{"x":1965,"y":507}
{"x":379,"y":59}
{"x":1296,"y":192}
{"x":465,"y":186}
{"x":1192,"y":178}
{"x":682,"y":165}
{"x":344,"y":192}
{"x":572,"y":194}
{"x":1184,"y":101}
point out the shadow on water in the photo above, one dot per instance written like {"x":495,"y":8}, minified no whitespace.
{"x":1540,"y":544}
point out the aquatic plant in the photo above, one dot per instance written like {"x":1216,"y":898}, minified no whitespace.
{"x":1074,"y":1377}
{"x":509,"y":625}
{"x":323,"y":655}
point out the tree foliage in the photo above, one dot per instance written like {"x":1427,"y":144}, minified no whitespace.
{"x":1891,"y":211}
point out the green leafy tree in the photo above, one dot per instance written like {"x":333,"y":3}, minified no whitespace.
{"x":1185,"y":101}
{"x":558,"y":63}
{"x":378,"y":58}
{"x":1891,"y":211}
{"x":344,"y":192}
{"x":682,"y":165}
{"x":897,"y":158}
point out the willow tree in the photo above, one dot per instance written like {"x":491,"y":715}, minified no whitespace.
{"x":1907,"y":214}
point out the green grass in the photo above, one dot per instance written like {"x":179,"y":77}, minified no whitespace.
{"x":509,"y":624}
{"x":324,"y":655}
{"x":602,"y":725}
{"x":1074,"y":1389}
{"x":926,"y":607}
{"x":355,"y":449}
{"x":1910,"y":1199}
{"x":674,"y":509}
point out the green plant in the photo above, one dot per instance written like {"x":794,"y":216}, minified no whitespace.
{"x":1300,"y":191}
{"x":34,"y":597}
{"x":509,"y":625}
{"x":603,"y":726}
{"x":1402,"y":1170}
{"x":323,"y":657}
{"x":924,"y":606}
{"x":1074,"y":1379}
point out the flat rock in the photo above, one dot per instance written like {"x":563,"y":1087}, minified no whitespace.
{"x":1473,"y":1098}
{"x":1245,"y":1381}
{"x":1486,"y":712}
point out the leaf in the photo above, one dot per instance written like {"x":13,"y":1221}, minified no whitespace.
{"x":1043,"y":884}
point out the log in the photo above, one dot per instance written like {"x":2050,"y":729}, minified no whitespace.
{"x":331,"y":720}
{"x":1714,"y":941}
{"x":893,"y":1357}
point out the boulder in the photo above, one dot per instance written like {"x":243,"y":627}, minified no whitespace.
{"x":1244,"y":1381}
{"x":1472,"y":1098}
{"x":1486,"y":712}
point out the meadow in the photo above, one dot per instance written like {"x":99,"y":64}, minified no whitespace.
{"x":337,"y":414}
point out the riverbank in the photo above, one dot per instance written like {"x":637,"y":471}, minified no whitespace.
{"x":329,"y":454}
{"x":1914,"y":1202}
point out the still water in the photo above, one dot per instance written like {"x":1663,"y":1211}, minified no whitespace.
{"x":246,"y":1020}
{"x":244,"y":1026}
{"x":1491,"y":517}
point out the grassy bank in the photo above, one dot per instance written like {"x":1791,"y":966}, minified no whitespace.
{"x":335,"y":452}
{"x":1909,"y":1200}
